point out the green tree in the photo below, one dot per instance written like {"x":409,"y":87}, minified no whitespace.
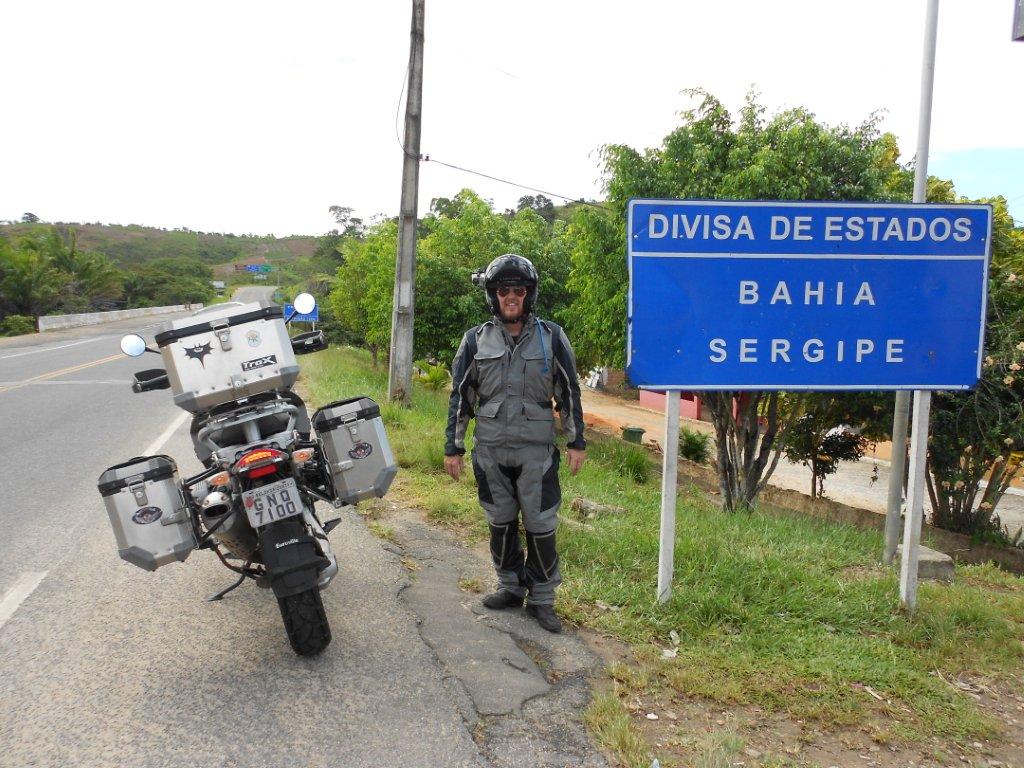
{"x":540,"y":204}
{"x":447,"y":303}
{"x":361,"y":297}
{"x":978,"y":435}
{"x":832,"y":427}
{"x":29,"y":283}
{"x":327,"y":255}
{"x":470,"y":239}
{"x":351,"y":226}
{"x":169,"y":281}
{"x":791,"y":156}
{"x":594,"y":241}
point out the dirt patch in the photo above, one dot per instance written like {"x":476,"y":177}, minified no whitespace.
{"x":678,"y":729}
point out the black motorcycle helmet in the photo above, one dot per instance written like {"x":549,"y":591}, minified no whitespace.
{"x":510,"y":269}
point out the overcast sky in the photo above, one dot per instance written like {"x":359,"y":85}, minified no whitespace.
{"x":255,"y":117}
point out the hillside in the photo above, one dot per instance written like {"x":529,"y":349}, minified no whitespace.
{"x":133,"y":244}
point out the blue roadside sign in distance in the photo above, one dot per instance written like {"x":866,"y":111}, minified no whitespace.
{"x":252,"y":267}
{"x":735,"y":295}
{"x":312,"y":317}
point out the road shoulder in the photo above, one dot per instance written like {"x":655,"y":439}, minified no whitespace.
{"x":521,"y":690}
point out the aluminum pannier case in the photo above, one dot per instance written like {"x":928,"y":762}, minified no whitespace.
{"x":147,"y":511}
{"x":227,"y":352}
{"x":357,"y":448}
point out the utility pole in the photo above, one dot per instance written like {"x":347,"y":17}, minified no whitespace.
{"x":404,"y":301}
{"x":922,"y":398}
{"x":898,"y":464}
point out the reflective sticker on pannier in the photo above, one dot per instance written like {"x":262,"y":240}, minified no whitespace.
{"x":147,"y":515}
{"x":360,"y":450}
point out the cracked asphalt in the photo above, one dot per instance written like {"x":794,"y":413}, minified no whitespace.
{"x":103,"y":664}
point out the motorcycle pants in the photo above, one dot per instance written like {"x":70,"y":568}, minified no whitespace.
{"x":521,"y":482}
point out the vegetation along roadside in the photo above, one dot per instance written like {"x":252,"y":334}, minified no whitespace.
{"x":785,"y":619}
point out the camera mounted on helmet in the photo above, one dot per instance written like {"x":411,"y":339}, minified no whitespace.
{"x":510,"y":271}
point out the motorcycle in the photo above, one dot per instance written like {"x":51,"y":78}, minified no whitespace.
{"x":266,"y":462}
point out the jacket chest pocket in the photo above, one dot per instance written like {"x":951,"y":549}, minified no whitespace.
{"x":490,"y":373}
{"x":536,"y":373}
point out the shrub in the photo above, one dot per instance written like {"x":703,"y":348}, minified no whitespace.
{"x":629,"y":461}
{"x":16,"y":325}
{"x":432,"y":375}
{"x":694,"y":446}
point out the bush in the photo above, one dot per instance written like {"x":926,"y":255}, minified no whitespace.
{"x":694,"y":446}
{"x":16,"y":325}
{"x":628,"y":460}
{"x":432,"y":375}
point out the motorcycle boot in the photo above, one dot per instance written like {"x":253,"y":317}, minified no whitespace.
{"x":510,"y":566}
{"x":542,"y":571}
{"x":546,"y":617}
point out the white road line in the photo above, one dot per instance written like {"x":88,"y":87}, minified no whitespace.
{"x":157,"y":444}
{"x":16,"y":595}
{"x":28,"y":582}
{"x":50,"y":349}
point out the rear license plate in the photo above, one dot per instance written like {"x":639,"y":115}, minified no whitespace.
{"x":269,"y":503}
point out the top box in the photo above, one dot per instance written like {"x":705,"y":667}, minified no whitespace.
{"x":227,"y":352}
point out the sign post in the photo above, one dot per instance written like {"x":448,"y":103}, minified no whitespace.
{"x":922,"y":400}
{"x":765,"y":295}
{"x":669,"y":473}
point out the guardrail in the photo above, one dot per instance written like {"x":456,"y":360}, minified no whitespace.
{"x":53,"y":322}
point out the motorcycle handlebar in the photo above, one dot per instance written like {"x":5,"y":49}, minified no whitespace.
{"x":160,"y":382}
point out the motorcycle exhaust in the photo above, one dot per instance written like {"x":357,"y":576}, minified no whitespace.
{"x":234,"y":534}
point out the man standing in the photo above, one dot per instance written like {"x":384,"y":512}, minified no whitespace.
{"x":506,"y":373}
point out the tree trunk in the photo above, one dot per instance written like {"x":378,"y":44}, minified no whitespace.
{"x":746,"y":458}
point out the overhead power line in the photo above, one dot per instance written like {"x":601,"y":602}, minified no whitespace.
{"x":429,"y":159}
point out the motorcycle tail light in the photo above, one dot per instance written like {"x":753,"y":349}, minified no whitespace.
{"x":301,"y":456}
{"x":269,"y":469}
{"x":260,"y":462}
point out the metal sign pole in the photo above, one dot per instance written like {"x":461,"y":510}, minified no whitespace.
{"x":922,"y":400}
{"x":897,"y":468}
{"x":669,"y":473}
{"x":915,"y":501}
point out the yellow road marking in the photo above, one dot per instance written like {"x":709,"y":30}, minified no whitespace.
{"x":61,"y":372}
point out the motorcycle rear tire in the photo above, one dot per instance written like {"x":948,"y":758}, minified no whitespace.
{"x":305,"y":622}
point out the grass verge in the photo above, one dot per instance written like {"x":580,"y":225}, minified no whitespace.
{"x":788,"y":614}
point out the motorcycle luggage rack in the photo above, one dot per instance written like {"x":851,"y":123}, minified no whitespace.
{"x":249,"y":424}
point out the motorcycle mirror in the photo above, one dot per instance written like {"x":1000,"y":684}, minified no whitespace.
{"x":304,"y":303}
{"x":133,"y":345}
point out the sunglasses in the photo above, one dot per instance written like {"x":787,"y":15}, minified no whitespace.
{"x":518,"y":290}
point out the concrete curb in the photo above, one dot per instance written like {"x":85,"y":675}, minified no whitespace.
{"x":54,"y":322}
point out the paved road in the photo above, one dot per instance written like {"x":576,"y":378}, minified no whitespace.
{"x":103,"y":664}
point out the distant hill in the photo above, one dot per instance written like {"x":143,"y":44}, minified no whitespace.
{"x":133,"y":244}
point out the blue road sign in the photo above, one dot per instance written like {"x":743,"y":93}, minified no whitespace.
{"x":312,"y":317}
{"x":252,"y":267}
{"x":775,"y":295}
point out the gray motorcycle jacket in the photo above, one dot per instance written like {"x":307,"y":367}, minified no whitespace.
{"x":509,"y":386}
